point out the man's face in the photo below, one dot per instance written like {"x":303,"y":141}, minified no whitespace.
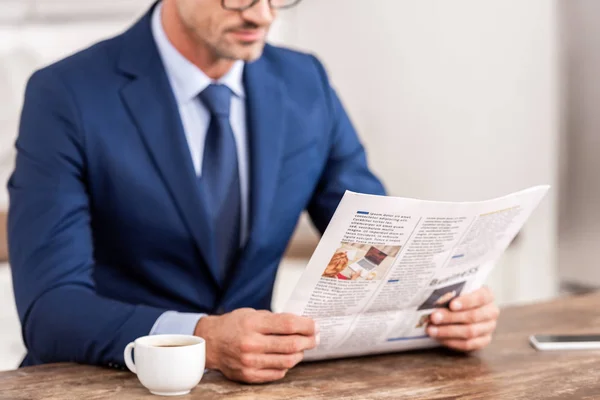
{"x":234,"y":35}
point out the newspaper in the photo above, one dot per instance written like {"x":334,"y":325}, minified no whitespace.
{"x":385,"y":263}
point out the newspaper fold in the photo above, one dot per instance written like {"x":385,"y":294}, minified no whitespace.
{"x":384,"y":264}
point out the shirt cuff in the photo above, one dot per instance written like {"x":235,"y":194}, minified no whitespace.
{"x":176,"y":323}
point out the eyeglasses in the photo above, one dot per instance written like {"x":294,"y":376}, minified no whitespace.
{"x":241,"y":5}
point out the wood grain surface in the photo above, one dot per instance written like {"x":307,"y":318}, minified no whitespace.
{"x":508,"y":369}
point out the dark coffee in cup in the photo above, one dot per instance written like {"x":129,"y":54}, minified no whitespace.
{"x":174,"y":343}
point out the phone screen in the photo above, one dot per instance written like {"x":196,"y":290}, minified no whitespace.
{"x":567,"y":338}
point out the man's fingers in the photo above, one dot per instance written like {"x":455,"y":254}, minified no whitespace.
{"x":489,"y":312}
{"x":286,"y":324}
{"x":271,"y":361}
{"x":257,"y":375}
{"x":468,"y":331}
{"x":473,"y":300}
{"x":467,"y":345}
{"x":289,"y":344}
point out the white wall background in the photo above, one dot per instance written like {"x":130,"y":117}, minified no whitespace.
{"x":579,"y":228}
{"x":455,"y":100}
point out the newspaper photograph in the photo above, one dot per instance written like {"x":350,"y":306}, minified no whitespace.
{"x":384,"y":264}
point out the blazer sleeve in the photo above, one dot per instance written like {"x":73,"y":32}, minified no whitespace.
{"x":346,"y":167}
{"x":50,"y":239}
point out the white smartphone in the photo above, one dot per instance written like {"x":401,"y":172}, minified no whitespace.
{"x":565,"y":342}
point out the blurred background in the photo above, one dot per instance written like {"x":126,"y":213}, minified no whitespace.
{"x":461,"y":100}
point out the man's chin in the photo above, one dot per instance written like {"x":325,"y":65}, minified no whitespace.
{"x":245,"y":52}
{"x":250,"y":55}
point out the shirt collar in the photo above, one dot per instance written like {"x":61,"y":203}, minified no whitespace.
{"x":187,"y":79}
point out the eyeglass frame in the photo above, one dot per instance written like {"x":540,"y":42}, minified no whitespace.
{"x":254,"y":2}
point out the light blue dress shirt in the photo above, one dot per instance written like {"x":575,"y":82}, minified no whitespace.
{"x":187,"y":82}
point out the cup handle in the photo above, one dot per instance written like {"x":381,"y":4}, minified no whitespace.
{"x":128,"y":358}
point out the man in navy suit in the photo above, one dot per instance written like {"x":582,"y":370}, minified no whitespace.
{"x":159,"y":177}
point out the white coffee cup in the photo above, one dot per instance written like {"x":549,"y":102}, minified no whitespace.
{"x":168,"y":365}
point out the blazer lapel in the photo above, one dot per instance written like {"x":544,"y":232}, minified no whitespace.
{"x":152,"y":105}
{"x":266,"y":122}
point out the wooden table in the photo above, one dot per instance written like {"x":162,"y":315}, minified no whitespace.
{"x":508,"y":369}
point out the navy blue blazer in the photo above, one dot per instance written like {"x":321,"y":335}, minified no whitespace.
{"x":106,"y":227}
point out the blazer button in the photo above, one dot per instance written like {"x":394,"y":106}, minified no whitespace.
{"x":220,"y":311}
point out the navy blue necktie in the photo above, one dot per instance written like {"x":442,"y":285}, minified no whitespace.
{"x":220,"y":177}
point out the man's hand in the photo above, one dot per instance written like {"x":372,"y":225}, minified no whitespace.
{"x":256,"y":346}
{"x":469,"y":324}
